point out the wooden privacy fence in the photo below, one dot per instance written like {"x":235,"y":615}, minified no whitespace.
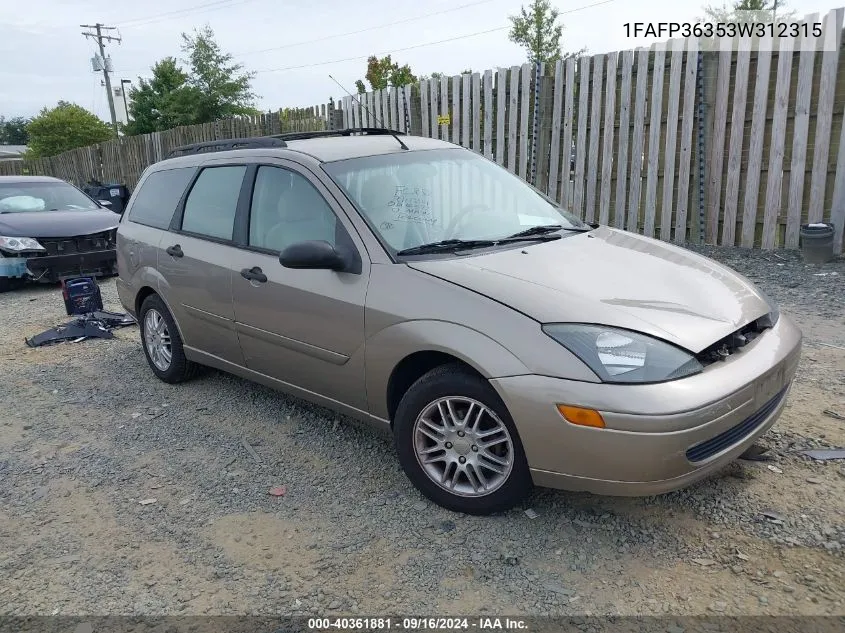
{"x":731,"y":147}
{"x":124,"y":159}
{"x":675,"y":141}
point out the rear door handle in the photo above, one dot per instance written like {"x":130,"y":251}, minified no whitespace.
{"x":254,"y":274}
{"x":174,"y":251}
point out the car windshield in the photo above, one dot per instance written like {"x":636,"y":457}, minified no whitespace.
{"x":21,"y":197}
{"x":421,"y":197}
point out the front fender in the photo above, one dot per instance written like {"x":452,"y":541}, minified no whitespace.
{"x":386,"y":349}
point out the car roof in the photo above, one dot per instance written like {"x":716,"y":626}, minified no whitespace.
{"x":323,"y":149}
{"x":25,"y":179}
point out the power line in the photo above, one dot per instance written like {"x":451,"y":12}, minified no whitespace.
{"x":398,"y":50}
{"x":200,"y":8}
{"x":365,"y":30}
{"x":415,"y":46}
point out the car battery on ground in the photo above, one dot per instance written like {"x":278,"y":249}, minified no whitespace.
{"x":82,"y":295}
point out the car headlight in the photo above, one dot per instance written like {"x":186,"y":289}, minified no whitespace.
{"x":774,"y":311}
{"x":623,"y":356}
{"x":18,"y":244}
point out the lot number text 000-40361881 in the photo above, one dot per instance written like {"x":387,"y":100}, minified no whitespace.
{"x":723,"y":29}
{"x":416,"y":624}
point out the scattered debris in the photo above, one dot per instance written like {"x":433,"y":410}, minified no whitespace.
{"x":742,"y":556}
{"x":834,"y":414}
{"x":826,"y":454}
{"x":829,"y":345}
{"x":774,"y":517}
{"x":531,"y":514}
{"x":97,"y":324}
{"x":775,"y":469}
{"x":146,"y":502}
{"x":814,"y":480}
{"x":756,"y":453}
{"x":278,"y":491}
{"x":251,"y":451}
{"x":704,"y":562}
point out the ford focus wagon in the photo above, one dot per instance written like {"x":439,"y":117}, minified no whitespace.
{"x":419,"y":287}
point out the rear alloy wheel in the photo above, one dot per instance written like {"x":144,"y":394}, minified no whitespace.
{"x":458,"y":444}
{"x":162,"y":343}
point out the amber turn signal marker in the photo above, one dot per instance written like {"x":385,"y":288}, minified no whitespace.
{"x":581,"y":417}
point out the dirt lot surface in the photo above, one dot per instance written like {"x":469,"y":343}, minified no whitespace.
{"x":120,"y":494}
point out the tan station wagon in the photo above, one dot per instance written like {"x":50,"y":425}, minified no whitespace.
{"x":417,"y":286}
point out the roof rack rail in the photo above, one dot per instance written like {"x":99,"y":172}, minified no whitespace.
{"x":369,"y":131}
{"x":228,"y":144}
{"x":276,"y":140}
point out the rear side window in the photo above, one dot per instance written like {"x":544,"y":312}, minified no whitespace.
{"x":211,"y":205}
{"x":156,"y":201}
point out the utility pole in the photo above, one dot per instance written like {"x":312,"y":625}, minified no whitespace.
{"x":98,"y":35}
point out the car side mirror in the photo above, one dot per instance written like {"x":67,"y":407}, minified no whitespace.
{"x":313,"y":254}
{"x":105,"y":203}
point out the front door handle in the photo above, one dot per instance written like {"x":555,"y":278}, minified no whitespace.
{"x":254,"y":274}
{"x":174,"y":251}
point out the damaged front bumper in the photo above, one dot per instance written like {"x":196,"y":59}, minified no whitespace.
{"x":54,"y":268}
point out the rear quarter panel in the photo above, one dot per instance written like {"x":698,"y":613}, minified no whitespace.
{"x":137,"y":260}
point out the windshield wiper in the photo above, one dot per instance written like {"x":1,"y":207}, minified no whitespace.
{"x":445,"y":245}
{"x":544,"y":229}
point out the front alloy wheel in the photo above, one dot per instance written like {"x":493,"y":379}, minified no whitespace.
{"x":463,"y":446}
{"x":458,"y":445}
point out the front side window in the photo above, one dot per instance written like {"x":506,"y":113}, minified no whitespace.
{"x":211,"y":206}
{"x":286,"y":209}
{"x":23,"y":196}
{"x":421,"y":197}
{"x":155,"y":202}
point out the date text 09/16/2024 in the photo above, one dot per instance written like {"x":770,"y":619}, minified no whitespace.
{"x":724,"y":29}
{"x":417,"y":624}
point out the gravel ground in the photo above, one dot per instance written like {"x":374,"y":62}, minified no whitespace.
{"x":89,"y":437}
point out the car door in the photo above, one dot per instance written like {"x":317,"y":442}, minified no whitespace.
{"x":301,"y":326}
{"x":193,"y":261}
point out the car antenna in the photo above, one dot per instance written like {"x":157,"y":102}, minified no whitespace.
{"x":377,"y":120}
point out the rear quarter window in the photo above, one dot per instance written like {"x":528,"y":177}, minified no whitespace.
{"x":156,"y":200}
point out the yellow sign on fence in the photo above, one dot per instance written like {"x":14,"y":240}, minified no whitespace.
{"x":444,"y":119}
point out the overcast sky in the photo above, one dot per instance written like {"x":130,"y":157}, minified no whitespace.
{"x":45,"y":57}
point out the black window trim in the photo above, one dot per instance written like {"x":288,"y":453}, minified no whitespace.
{"x":176,"y":221}
{"x":127,"y":215}
{"x":242,"y":218}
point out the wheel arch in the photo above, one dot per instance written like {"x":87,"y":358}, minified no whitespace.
{"x":398,"y":355}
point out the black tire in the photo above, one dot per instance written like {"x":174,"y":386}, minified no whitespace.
{"x":180,"y":368}
{"x":456,"y":381}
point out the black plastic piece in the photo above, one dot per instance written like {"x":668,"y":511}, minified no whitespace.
{"x":228,"y":144}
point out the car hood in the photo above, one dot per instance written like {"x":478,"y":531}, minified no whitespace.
{"x":57,"y":223}
{"x":613,"y":278}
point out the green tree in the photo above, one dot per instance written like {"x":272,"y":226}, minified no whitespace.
{"x":162,"y":102}
{"x":384,"y":73}
{"x":769,"y":11}
{"x":65,"y":127}
{"x":222,"y":88}
{"x":537,"y":30}
{"x":13,"y":131}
